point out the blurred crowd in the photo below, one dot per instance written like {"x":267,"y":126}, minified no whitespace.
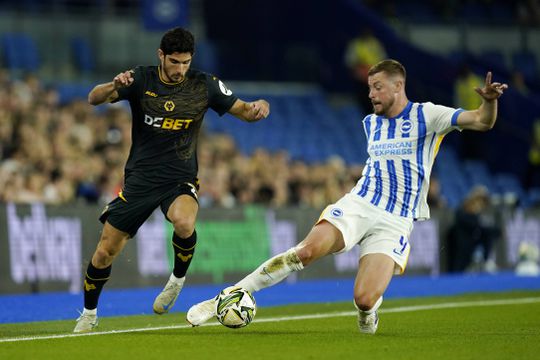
{"x":60,"y":154}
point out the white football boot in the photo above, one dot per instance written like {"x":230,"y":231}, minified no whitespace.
{"x":166,"y":299}
{"x":202,"y":312}
{"x":86,"y":323}
{"x":368,"y":323}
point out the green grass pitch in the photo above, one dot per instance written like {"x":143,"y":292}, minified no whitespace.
{"x":479,"y":326}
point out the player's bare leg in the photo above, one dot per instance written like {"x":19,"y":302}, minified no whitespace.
{"x":111,"y":243}
{"x":374,"y":275}
{"x":182,"y":213}
{"x":322,"y":240}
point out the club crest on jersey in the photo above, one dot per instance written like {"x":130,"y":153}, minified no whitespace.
{"x":169,"y":105}
{"x":336,"y":212}
{"x":406,"y":126}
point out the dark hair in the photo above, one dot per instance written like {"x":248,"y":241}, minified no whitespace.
{"x":177,"y":40}
{"x":389,"y":66}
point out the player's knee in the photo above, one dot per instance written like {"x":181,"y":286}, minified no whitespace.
{"x":184,"y":227}
{"x":365,"y":300}
{"x":103,"y":257}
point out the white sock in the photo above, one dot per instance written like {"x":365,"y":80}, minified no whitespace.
{"x":90,"y":312}
{"x":176,"y":280}
{"x":272,"y":271}
{"x":374,"y":308}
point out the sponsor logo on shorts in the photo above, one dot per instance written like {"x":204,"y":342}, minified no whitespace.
{"x":336,"y":212}
{"x":193,"y":190}
{"x":403,"y":245}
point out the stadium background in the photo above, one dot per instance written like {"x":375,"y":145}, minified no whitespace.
{"x":290,"y":52}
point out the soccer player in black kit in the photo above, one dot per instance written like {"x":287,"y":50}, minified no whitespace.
{"x":168,"y":103}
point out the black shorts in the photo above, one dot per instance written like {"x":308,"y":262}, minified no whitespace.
{"x":128,"y":212}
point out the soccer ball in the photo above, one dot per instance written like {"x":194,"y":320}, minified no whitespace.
{"x":235,"y":307}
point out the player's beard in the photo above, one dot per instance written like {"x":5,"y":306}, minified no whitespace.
{"x":174,"y":77}
{"x":384,"y":107}
{"x":171,"y":76}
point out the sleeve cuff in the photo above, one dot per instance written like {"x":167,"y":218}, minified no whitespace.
{"x":455,"y":116}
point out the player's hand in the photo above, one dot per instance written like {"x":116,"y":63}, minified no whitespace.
{"x":123,"y":79}
{"x":491,"y":91}
{"x":259,"y":109}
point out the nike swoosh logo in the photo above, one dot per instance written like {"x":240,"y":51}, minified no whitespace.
{"x":267,"y":273}
{"x":185,"y":258}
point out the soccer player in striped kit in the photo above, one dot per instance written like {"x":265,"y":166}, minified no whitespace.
{"x":379,"y":212}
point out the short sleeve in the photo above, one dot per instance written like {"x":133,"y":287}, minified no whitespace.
{"x":441,"y":119}
{"x":220,"y":97}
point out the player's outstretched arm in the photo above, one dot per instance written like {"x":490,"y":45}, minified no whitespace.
{"x":483,"y":118}
{"x":107,"y":92}
{"x":250,"y":111}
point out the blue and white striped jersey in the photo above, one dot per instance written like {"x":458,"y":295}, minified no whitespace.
{"x":401,"y":154}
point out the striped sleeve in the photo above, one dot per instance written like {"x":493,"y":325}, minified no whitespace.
{"x":442,"y":119}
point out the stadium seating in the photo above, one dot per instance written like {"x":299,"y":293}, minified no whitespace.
{"x":533,"y":198}
{"x":417,"y":11}
{"x":454,"y":184}
{"x":458,"y":56}
{"x":499,"y":12}
{"x":70,"y":92}
{"x":206,"y":57}
{"x":526,"y":62}
{"x":306,"y":126}
{"x":478,"y":173}
{"x":20,"y":52}
{"x":494,"y":60}
{"x":510,"y":188}
{"x":83,"y":56}
{"x":457,"y":177}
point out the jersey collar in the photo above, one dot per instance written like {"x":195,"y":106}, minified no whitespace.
{"x":403,"y":112}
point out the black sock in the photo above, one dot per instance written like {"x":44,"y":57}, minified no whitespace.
{"x":183,"y":253}
{"x":93,"y":283}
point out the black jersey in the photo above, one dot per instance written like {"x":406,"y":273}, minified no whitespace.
{"x":167,"y":118}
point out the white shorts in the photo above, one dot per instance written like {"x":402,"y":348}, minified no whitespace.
{"x":374,"y":229}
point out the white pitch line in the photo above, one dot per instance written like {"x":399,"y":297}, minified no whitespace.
{"x":448,"y":305}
